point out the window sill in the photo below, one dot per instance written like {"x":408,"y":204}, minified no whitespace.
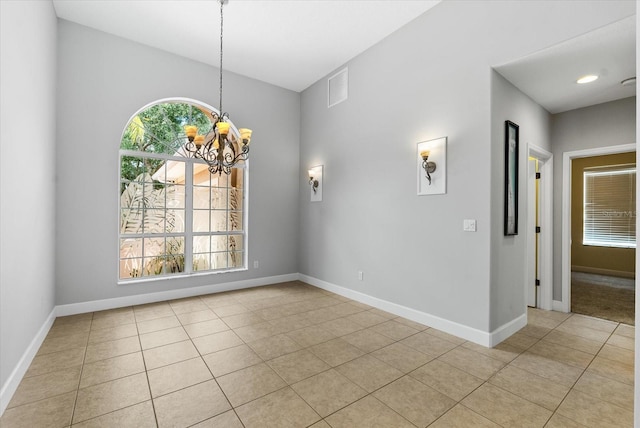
{"x":183,"y":276}
{"x":605,"y":245}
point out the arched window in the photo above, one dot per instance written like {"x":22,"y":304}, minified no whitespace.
{"x":176,"y":218}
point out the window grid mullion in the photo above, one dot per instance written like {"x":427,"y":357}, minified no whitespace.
{"x":188,"y":218}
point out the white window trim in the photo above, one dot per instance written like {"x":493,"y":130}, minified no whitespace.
{"x":189,"y":273}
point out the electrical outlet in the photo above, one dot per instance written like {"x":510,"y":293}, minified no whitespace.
{"x":360,"y":275}
{"x":256,"y":264}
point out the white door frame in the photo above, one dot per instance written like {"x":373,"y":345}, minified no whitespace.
{"x":545,"y":259}
{"x":567,"y":157}
{"x":533,"y":212}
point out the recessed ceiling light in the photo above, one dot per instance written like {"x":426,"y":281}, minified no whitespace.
{"x":587,"y":79}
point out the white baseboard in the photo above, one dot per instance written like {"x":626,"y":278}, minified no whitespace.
{"x":506,"y":330}
{"x":14,"y":379}
{"x":141,"y":299}
{"x":606,"y":272}
{"x":465,"y":332}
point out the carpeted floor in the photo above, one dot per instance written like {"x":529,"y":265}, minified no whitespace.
{"x":604,"y":297}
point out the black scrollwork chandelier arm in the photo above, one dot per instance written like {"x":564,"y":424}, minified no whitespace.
{"x":219,"y":152}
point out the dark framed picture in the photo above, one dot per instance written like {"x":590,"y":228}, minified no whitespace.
{"x":511,"y":143}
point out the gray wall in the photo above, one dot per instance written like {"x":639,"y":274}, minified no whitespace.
{"x":508,"y":253}
{"x":103,"y":80}
{"x":602,"y":125}
{"x":27,"y":175}
{"x":431,"y":78}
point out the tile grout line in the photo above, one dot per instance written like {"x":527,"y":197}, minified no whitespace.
{"x":213,"y":376}
{"x":307,"y":348}
{"x":122,"y":377}
{"x":589,"y":365}
{"x":508,"y":364}
{"x":286,"y":384}
{"x":403,"y":374}
{"x":146,"y":372}
{"x":459,"y":402}
{"x":579,"y":377}
{"x":84,"y":357}
{"x":584,"y":370}
{"x":350,"y":380}
{"x":553,"y":412}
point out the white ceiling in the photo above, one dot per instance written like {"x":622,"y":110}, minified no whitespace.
{"x":294,"y":43}
{"x":289,"y":43}
{"x":549,"y":76}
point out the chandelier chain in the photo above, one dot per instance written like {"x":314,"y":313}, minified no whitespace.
{"x":221,"y":33}
{"x":222,"y":151}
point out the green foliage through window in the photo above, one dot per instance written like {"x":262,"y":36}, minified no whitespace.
{"x":159,"y":129}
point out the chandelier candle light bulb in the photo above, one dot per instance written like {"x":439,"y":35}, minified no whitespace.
{"x":223,"y":128}
{"x":198,"y":140}
{"x":191,"y":131}
{"x":245,"y":135}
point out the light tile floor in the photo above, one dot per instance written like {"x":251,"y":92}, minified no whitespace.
{"x":291,"y":355}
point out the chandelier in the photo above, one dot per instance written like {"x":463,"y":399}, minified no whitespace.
{"x":224,"y":146}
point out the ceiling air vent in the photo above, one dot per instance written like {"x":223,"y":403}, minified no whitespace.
{"x":338,"y":87}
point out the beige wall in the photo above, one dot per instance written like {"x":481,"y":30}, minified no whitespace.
{"x":586,"y":258}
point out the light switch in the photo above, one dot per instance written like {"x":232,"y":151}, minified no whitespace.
{"x":469,"y":225}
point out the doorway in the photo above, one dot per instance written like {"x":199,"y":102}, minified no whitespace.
{"x":567,"y":215}
{"x":603,"y":206}
{"x":539,"y":271}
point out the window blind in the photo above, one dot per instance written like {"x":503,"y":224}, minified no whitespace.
{"x":610,"y":206}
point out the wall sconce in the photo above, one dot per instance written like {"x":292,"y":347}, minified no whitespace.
{"x":432,"y":166}
{"x":315,"y":182}
{"x":428,"y":166}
